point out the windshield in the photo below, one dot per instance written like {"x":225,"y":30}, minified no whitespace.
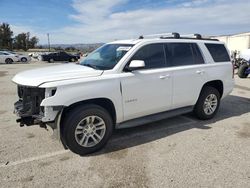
{"x":106,"y":57}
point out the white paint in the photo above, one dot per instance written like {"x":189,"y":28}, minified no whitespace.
{"x":27,"y":160}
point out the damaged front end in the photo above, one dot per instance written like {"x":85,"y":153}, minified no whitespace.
{"x":28,"y":106}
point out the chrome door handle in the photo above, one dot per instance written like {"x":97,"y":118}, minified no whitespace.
{"x":165,"y":76}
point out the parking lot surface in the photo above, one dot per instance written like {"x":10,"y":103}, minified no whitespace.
{"x":177,"y":152}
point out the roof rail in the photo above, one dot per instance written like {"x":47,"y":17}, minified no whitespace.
{"x":175,"y":35}
{"x":161,"y":35}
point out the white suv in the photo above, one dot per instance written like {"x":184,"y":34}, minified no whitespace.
{"x":123,"y":84}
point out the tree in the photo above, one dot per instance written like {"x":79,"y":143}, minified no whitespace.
{"x":70,"y":48}
{"x":20,"y":41}
{"x":5,"y":36}
{"x":23,"y":41}
{"x":33,"y":42}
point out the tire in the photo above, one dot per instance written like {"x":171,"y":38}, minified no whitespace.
{"x":242,"y":70}
{"x":24,"y":59}
{"x":208,"y":103}
{"x":78,"y":134}
{"x":8,"y":61}
{"x":51,"y":60}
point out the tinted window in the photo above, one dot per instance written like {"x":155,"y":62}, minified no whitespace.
{"x":197,"y":54}
{"x":181,"y":54}
{"x":218,"y":52}
{"x":153,"y":56}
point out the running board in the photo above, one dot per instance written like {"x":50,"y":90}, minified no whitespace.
{"x":154,"y":117}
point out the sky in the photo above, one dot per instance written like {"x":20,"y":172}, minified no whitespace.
{"x":92,"y":21}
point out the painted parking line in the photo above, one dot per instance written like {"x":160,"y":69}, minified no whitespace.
{"x":33,"y":158}
{"x":189,"y":121}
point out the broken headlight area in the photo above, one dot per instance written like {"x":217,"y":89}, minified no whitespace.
{"x":28,"y":106}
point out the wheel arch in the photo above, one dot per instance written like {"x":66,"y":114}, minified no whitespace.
{"x":106,"y":103}
{"x":217,"y":84}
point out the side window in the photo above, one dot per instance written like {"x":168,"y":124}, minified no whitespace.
{"x":218,"y":52}
{"x":179,"y":54}
{"x":197,"y":54}
{"x":64,"y":54}
{"x":152,"y":54}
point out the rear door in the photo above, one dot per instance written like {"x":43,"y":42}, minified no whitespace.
{"x":188,"y":72}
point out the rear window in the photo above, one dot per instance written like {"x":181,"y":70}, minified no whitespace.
{"x":218,"y":52}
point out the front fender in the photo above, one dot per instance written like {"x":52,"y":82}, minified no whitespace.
{"x":67,"y":95}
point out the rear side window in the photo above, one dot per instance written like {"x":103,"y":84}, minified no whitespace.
{"x":153,"y":56}
{"x":218,"y":52}
{"x":197,"y":54}
{"x":181,"y":54}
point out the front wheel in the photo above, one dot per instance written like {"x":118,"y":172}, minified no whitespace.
{"x":87,"y":129}
{"x":208,"y":103}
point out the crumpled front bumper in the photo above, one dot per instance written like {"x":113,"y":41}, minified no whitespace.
{"x":23,"y":112}
{"x":28,"y":108}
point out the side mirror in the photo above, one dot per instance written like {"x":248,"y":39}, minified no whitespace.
{"x":135,"y":65}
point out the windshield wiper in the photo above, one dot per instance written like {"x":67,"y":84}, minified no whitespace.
{"x":90,"y":65}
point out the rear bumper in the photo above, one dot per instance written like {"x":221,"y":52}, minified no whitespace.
{"x":228,"y":87}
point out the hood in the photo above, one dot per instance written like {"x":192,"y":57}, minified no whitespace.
{"x":39,"y":76}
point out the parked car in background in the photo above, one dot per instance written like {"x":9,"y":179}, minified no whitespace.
{"x":59,"y":56}
{"x":21,"y":57}
{"x":8,"y":58}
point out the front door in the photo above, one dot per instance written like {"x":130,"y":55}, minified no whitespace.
{"x":149,"y":90}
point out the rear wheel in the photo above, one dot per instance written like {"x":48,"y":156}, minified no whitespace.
{"x":87,"y":129}
{"x":242,"y":70}
{"x":208,"y":103}
{"x":8,"y":61}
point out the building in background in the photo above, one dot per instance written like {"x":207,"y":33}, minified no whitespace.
{"x":236,"y":42}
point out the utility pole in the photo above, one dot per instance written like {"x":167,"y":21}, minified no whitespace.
{"x":27,"y":40}
{"x":48,"y":41}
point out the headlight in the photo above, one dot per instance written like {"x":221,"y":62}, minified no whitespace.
{"x":49,"y":92}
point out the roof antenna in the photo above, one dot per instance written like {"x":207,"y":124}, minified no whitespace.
{"x":141,"y":37}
